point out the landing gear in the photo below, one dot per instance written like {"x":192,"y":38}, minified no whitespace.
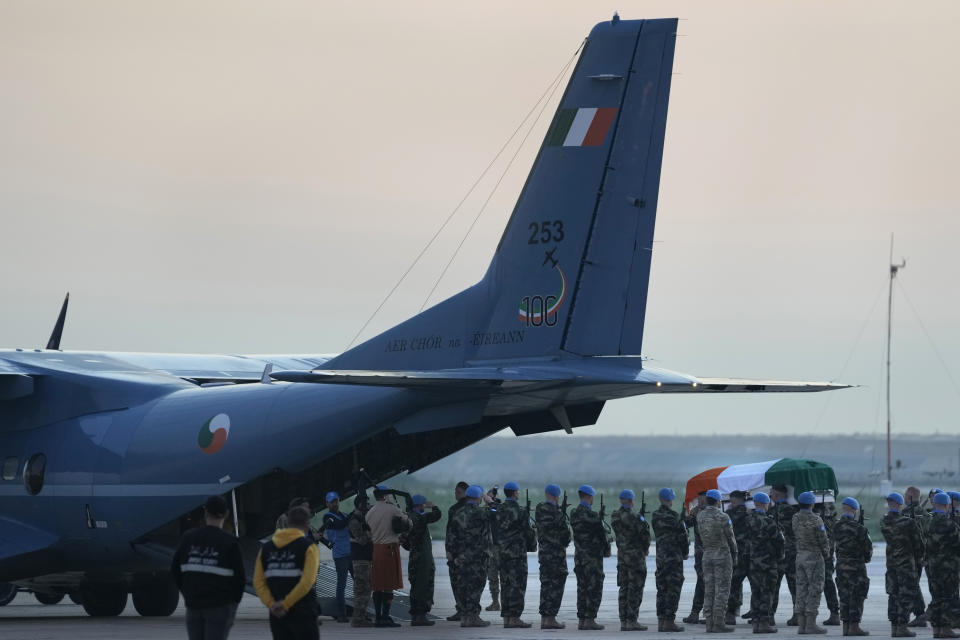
{"x":8,"y":591}
{"x":48,"y":597}
{"x":157,"y":598}
{"x":103,"y":601}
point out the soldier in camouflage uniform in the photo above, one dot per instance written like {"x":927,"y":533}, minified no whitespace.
{"x":590,"y":548}
{"x":765,"y":544}
{"x":459,"y":493}
{"x":420,"y":567}
{"x":719,"y":552}
{"x":783,"y":513}
{"x":469,"y":533}
{"x":673,"y":547}
{"x":904,"y":555}
{"x":854,"y":550}
{"x":493,"y":565}
{"x":633,"y":544}
{"x":513,"y":523}
{"x":813,"y":549}
{"x":914,"y":509}
{"x":553,"y":537}
{"x":943,"y":551}
{"x":737,"y":512}
{"x":361,"y":553}
{"x":691,"y":522}
{"x":828,"y":514}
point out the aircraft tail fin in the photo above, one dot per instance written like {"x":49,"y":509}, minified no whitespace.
{"x":570,"y":273}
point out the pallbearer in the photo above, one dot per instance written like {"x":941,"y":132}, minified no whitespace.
{"x":590,"y":541}
{"x":854,"y":551}
{"x":553,"y":538}
{"x":673,"y":547}
{"x":633,"y":543}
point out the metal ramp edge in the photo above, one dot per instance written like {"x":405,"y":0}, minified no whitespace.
{"x":326,"y":594}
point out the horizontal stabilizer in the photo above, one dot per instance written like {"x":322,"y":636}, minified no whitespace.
{"x":739,"y":385}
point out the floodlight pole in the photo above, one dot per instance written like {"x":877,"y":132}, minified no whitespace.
{"x":894,"y":268}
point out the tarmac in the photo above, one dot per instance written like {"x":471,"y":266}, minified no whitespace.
{"x":25,"y":618}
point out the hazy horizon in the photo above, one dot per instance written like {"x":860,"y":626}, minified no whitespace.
{"x":250,"y":178}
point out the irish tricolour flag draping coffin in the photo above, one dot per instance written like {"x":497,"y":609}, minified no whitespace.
{"x":797,"y":474}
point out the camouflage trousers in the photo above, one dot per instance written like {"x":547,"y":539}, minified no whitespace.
{"x":513,"y":580}
{"x":852,"y":587}
{"x":669,"y":578}
{"x":740,"y":572}
{"x":631,"y":576}
{"x":698,"y":590}
{"x":788,"y":570}
{"x":717,"y":569}
{"x":902,"y":588}
{"x":455,"y":587}
{"x":943,"y":581}
{"x":589,"y":572}
{"x":919,"y":607}
{"x":809,"y":583}
{"x":493,"y":571}
{"x":553,"y":577}
{"x":361,"y":587}
{"x":830,"y":587}
{"x":763,"y":584}
{"x":471,"y":576}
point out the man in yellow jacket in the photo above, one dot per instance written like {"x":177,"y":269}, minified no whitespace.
{"x":284,"y":577}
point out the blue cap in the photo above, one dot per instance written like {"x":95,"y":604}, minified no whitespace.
{"x":954,"y":495}
{"x":382,"y":487}
{"x":941,"y":498}
{"x":333,"y":495}
{"x":666,"y":494}
{"x":627,"y":494}
{"x":553,"y":489}
{"x":511,"y":486}
{"x":761,"y":498}
{"x":851,"y":502}
{"x":807,"y":498}
{"x":587,"y":489}
{"x":474,"y":491}
{"x":713,"y":494}
{"x":895,"y":497}
{"x":936,"y":491}
{"x":418,"y":499}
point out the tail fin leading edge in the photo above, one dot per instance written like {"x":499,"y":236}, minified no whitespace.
{"x":571,"y":270}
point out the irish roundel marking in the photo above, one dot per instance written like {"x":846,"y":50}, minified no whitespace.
{"x":214,"y":433}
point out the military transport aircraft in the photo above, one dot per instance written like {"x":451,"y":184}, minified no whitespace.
{"x":103,"y":454}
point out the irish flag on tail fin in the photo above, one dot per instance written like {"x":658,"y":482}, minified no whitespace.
{"x":583,"y":127}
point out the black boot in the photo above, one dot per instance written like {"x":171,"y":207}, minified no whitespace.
{"x":386,"y":620}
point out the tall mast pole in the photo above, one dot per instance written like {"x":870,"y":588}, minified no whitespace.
{"x":894,"y":268}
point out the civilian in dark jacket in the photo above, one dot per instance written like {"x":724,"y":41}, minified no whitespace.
{"x":208,"y":570}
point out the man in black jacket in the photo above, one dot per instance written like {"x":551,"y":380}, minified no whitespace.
{"x":208,"y":570}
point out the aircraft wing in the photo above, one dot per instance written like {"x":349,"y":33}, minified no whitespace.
{"x":468,"y":378}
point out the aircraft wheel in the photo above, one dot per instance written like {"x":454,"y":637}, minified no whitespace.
{"x":48,"y":598}
{"x":8,"y":591}
{"x":75,"y":597}
{"x":104,"y":601}
{"x":158,"y":598}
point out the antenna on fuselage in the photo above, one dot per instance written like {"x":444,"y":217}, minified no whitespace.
{"x":54,"y":341}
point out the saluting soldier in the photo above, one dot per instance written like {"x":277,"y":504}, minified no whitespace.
{"x":673,"y":547}
{"x":765,"y":552}
{"x":904,"y":555}
{"x":737,"y":512}
{"x":469,"y":533}
{"x":854,"y":551}
{"x":590,"y":548}
{"x":553,"y":538}
{"x":812,"y":552}
{"x":691,"y":522}
{"x":783,"y":513}
{"x":420,"y":566}
{"x":633,"y":544}
{"x":513,"y":524}
{"x":719,"y":553}
{"x":943,"y":550}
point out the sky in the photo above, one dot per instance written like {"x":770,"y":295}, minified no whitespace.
{"x":249,"y":177}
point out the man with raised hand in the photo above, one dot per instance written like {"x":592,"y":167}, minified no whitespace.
{"x":591,"y":547}
{"x":854,"y":551}
{"x":513,"y":524}
{"x":765,"y":552}
{"x":633,"y":544}
{"x":673,"y":547}
{"x":467,"y":542}
{"x":553,"y":538}
{"x":905,"y":552}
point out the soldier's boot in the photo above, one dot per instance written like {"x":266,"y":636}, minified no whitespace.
{"x":918,"y":621}
{"x":694,"y":617}
{"x":794,"y":621}
{"x":632,"y":625}
{"x":473,"y":620}
{"x":514,"y":622}
{"x":853,"y":629}
{"x":456,"y":617}
{"x":590,"y":624}
{"x":833,"y":620}
{"x":801,"y":622}
{"x":550,"y":622}
{"x":361,"y":622}
{"x":901,"y":631}
{"x":719,"y":626}
{"x":421,"y":620}
{"x":944,"y":632}
{"x":667,"y":624}
{"x":495,"y":605}
{"x":811,"y":627}
{"x":731,"y":619}
{"x":760,"y":625}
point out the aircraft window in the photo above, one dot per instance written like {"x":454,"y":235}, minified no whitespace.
{"x":33,"y":473}
{"x":10,"y":469}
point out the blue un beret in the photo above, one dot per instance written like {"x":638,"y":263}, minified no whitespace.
{"x":587,"y":489}
{"x":941,"y":498}
{"x":954,"y":495}
{"x":332,"y":496}
{"x":666,"y":494}
{"x":418,"y":499}
{"x":714,"y":494}
{"x":895,"y":497}
{"x":382,"y":487}
{"x":851,"y":502}
{"x":761,"y":498}
{"x":511,"y":486}
{"x":474,"y":491}
{"x":553,"y":489}
{"x":936,"y":490}
{"x":627,"y":494}
{"x":806,"y":498}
